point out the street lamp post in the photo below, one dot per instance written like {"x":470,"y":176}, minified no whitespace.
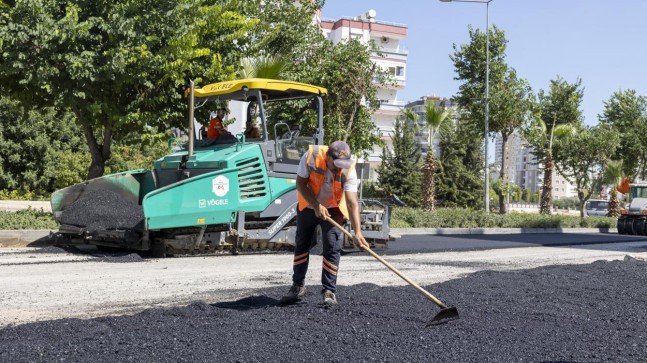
{"x":487,"y":91}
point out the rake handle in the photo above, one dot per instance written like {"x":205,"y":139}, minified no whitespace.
{"x":391,"y":267}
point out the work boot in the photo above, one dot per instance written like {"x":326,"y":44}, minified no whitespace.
{"x":329,"y":298}
{"x":295,"y":294}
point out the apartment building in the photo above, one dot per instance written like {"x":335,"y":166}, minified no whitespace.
{"x":524,"y":170}
{"x":392,"y":57}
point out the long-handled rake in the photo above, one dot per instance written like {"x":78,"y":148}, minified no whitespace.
{"x":447,"y":313}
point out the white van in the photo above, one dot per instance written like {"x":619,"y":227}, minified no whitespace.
{"x":597,"y":207}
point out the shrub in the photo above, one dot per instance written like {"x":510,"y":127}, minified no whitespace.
{"x":21,"y":195}
{"x":566,"y":203}
{"x":27,"y":219}
{"x":468,"y":218}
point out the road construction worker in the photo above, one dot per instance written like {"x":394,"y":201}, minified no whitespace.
{"x":251,"y":130}
{"x":216,"y":125}
{"x":327,"y":187}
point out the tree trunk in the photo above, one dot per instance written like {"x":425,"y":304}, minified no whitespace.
{"x":503,"y":175}
{"x":613,"y":203}
{"x":546,"y":201}
{"x":100,"y":152}
{"x":429,"y":182}
{"x":581,"y":198}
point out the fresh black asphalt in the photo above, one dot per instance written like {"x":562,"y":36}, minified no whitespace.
{"x":573,"y":313}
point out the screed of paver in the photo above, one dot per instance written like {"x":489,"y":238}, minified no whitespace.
{"x":91,"y":287}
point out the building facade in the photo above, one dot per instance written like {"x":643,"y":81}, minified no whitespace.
{"x":524,"y":171}
{"x":391,"y":56}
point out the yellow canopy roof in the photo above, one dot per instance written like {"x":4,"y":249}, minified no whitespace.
{"x":272,"y":88}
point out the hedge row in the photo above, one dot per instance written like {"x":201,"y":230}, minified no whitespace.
{"x":467,"y":218}
{"x":27,"y":219}
{"x":401,"y":218}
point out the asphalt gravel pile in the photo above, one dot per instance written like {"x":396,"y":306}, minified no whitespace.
{"x":104,"y":209}
{"x":50,"y":250}
{"x":575,"y":313}
{"x":103,"y":254}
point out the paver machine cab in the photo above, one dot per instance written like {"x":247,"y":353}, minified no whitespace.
{"x":633,"y":217}
{"x":225,"y":194}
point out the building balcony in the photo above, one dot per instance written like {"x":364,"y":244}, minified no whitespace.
{"x":390,"y":55}
{"x":389,"y":109}
{"x":402,"y":50}
{"x":397,"y":83}
{"x":392,"y":103}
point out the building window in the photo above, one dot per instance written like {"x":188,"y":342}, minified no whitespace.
{"x":397,"y":71}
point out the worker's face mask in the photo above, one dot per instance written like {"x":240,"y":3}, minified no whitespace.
{"x":331,"y":165}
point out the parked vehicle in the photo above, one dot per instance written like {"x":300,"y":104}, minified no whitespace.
{"x":597,"y":207}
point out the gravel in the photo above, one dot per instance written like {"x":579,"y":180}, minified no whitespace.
{"x":104,"y":207}
{"x":567,"y":313}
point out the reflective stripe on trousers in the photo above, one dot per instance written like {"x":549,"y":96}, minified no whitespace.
{"x":307,"y":222}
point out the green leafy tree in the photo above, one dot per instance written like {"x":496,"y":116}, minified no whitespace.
{"x":582,"y":157}
{"x":32,"y":143}
{"x":626,"y":112}
{"x":120,"y":67}
{"x":459,"y":181}
{"x":509,"y":95}
{"x":400,"y":171}
{"x":437,"y":120}
{"x":285,"y":28}
{"x":511,"y":104}
{"x":346,"y":70}
{"x":558,"y":115}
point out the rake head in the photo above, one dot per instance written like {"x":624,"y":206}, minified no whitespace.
{"x":445,"y":315}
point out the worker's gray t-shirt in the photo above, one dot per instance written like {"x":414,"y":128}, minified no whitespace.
{"x":325,"y":194}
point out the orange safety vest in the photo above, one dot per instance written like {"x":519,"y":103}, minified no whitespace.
{"x":213,"y":132}
{"x":316,"y":163}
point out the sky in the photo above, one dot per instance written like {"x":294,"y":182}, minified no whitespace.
{"x":602,"y":42}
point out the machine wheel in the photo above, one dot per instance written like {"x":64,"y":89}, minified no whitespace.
{"x":158,"y":249}
{"x":636,"y":226}
{"x":317,"y":242}
{"x":621,"y":226}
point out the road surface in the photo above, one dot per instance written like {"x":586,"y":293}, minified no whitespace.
{"x":45,"y":284}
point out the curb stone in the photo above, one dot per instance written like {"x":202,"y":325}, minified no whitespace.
{"x":398,"y":232}
{"x":22,"y":238}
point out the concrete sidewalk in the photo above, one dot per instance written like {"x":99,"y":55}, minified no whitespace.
{"x":16,"y":205}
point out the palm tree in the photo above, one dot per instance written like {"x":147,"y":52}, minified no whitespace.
{"x":613,"y":175}
{"x":546,"y":137}
{"x":263,"y":66}
{"x":437,"y":121}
